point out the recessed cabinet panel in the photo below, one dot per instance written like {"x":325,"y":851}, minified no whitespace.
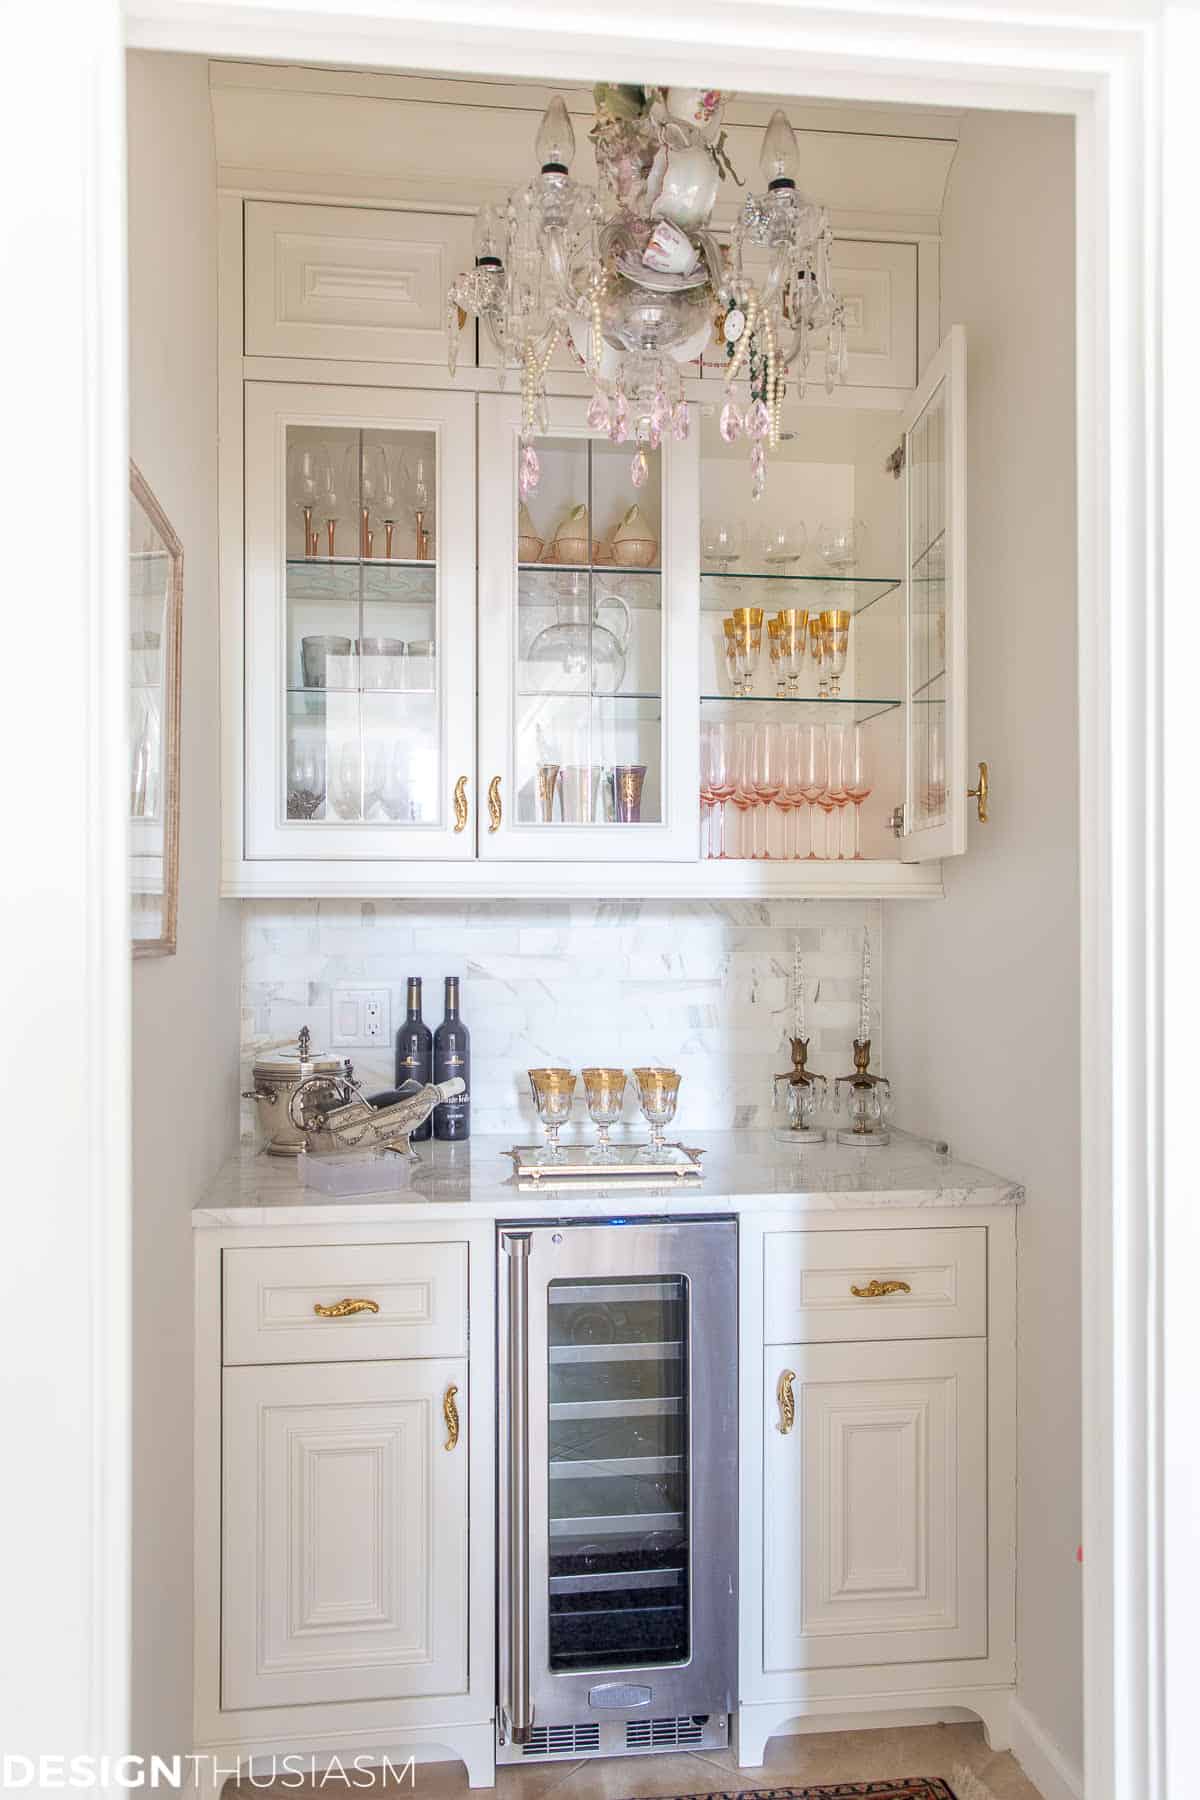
{"x":352,"y":283}
{"x":875,"y":1516}
{"x":344,"y":1567}
{"x":860,"y":1286}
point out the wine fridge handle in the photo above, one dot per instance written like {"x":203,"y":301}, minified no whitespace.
{"x":520,"y":1712}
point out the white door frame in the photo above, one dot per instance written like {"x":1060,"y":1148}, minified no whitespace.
{"x":1104,"y":72}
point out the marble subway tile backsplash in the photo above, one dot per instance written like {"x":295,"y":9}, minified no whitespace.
{"x":700,"y":985}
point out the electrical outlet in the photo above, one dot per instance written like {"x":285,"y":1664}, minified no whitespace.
{"x":362,"y":1018}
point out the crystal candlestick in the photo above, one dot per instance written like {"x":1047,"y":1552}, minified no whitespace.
{"x":868,"y":1101}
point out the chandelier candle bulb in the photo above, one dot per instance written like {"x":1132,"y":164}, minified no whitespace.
{"x":799,"y":990}
{"x":864,"y":993}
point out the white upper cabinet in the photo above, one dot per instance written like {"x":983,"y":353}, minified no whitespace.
{"x":359,"y":623}
{"x":589,"y":621}
{"x":352,"y":283}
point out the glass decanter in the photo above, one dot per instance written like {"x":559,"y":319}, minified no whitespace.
{"x":577,"y":646}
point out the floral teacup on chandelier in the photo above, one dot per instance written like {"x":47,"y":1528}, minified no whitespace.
{"x":636,"y":284}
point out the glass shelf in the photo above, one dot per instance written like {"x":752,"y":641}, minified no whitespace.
{"x":361,"y":562}
{"x":582,"y":694}
{"x":608,"y":568}
{"x":854,"y":593}
{"x":862,"y":709}
{"x":312,"y":693}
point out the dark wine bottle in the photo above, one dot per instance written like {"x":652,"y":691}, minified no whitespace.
{"x":451,"y":1057}
{"x":414,"y":1051}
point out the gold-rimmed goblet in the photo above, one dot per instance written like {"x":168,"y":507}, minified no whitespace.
{"x":658,"y":1094}
{"x":792,"y":626}
{"x":553,"y":1095}
{"x":775,"y":648}
{"x":731,"y":657}
{"x":816,"y":649}
{"x":604,"y":1090}
{"x":747,"y":633}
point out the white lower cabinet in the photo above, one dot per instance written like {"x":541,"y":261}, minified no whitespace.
{"x":875,"y":1504}
{"x":345,"y":1533}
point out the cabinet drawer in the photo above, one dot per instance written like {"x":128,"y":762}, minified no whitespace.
{"x":352,"y":283}
{"x":271,"y":1297}
{"x":809,"y":1279}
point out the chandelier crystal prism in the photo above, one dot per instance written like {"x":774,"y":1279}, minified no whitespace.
{"x":637,"y":285}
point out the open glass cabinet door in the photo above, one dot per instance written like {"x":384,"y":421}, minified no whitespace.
{"x":935,"y":804}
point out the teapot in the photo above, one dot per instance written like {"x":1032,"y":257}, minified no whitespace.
{"x":578,"y":646}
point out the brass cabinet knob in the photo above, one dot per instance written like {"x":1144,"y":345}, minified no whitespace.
{"x":495,"y":811}
{"x":875,"y":1290}
{"x":980,"y":794}
{"x":342,"y":1309}
{"x":460,"y":804}
{"x":450,"y":1414}
{"x":787,"y":1401}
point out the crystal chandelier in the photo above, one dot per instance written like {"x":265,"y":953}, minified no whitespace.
{"x":637,"y":284}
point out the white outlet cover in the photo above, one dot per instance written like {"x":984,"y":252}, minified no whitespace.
{"x":361,"y":1018}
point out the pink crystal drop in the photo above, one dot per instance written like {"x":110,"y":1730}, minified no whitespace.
{"x":639,"y":469}
{"x":597,"y":413}
{"x":758,"y":471}
{"x":679,"y":420}
{"x":530,"y":471}
{"x":731,"y":422}
{"x":659,"y":411}
{"x":620,"y":425}
{"x":758,"y":420}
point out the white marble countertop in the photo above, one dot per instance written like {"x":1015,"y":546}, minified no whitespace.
{"x":743,"y":1171}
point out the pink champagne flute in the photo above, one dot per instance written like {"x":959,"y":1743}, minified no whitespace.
{"x":707,"y":799}
{"x":835,"y":780}
{"x":798,"y":735}
{"x":784,"y":800}
{"x":812,"y":785}
{"x":744,"y":797}
{"x":721,"y":783}
{"x":858,"y":781}
{"x":768,"y":779}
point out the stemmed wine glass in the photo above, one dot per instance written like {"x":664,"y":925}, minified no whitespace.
{"x":813,"y":766}
{"x":604,"y":1091}
{"x":793,"y":644}
{"x":395,"y":479}
{"x":794,"y":765}
{"x":374,"y":480}
{"x":332,"y":501}
{"x":835,"y":780}
{"x":784,"y":802}
{"x":784,"y":544}
{"x":857,"y":777}
{"x":768,"y":779}
{"x":816,"y":647}
{"x":722,"y":542}
{"x":553,"y":1095}
{"x":345,"y":787}
{"x":842,"y":545}
{"x":835,"y":634}
{"x":422,"y":476}
{"x":722,"y":744}
{"x":658,"y":1093}
{"x":306,"y":779}
{"x":743,"y":796}
{"x":307,"y":479}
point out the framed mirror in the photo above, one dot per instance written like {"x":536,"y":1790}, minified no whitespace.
{"x":155,"y":668}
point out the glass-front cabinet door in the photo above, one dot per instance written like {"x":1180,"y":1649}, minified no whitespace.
{"x":935,"y":807}
{"x":588,"y":621}
{"x":360,"y":623}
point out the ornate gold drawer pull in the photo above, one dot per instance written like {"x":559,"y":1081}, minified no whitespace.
{"x":875,"y":1290}
{"x":787,"y":1401}
{"x":460,"y":804}
{"x":342,"y":1309}
{"x":495,"y":812}
{"x":980,"y":794}
{"x":450,"y":1414}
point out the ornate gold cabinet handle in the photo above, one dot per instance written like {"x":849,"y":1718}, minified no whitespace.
{"x":495,"y":812}
{"x":980,"y":794}
{"x":787,"y":1401}
{"x":450,"y":1414}
{"x":875,"y":1290}
{"x":342,"y":1309}
{"x":460,"y":804}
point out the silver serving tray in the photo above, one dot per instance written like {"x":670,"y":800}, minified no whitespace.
{"x":629,"y":1166}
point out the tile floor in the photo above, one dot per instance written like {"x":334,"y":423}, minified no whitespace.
{"x":790,"y":1762}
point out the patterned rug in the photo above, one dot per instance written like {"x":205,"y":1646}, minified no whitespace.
{"x":911,"y":1787}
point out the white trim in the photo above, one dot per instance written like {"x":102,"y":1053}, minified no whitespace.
{"x":1047,"y":1766}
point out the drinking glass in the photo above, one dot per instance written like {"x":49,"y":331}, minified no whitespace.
{"x":306,"y":779}
{"x":628,"y":781}
{"x":395,"y":480}
{"x":775,"y":648}
{"x":842,"y":545}
{"x":835,"y":779}
{"x":857,"y":775}
{"x":707,"y":803}
{"x":784,"y":802}
{"x":722,"y":744}
{"x":553,"y":1093}
{"x":307,"y":479}
{"x":813,"y":765}
{"x":604,"y":1091}
{"x":332,"y":499}
{"x":747,"y":637}
{"x":816,"y":649}
{"x":835,"y":632}
{"x":547,"y":785}
{"x":731,"y":657}
{"x":794,"y":770}
{"x":345,"y":787}
{"x":793,"y":644}
{"x":768,"y":779}
{"x":743,"y":796}
{"x":782,"y":545}
{"x":658,"y":1092}
{"x":422,"y":501}
{"x":722,"y":541}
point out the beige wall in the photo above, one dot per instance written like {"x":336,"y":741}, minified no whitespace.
{"x":185,"y":1007}
{"x":982,"y":996}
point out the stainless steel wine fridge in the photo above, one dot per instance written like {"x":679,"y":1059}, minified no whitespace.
{"x":618,"y":1486}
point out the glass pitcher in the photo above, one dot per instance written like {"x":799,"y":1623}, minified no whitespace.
{"x":578,"y":646}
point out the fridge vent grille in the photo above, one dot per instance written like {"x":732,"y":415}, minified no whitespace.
{"x":652,"y":1734}
{"x":562,"y":1740}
